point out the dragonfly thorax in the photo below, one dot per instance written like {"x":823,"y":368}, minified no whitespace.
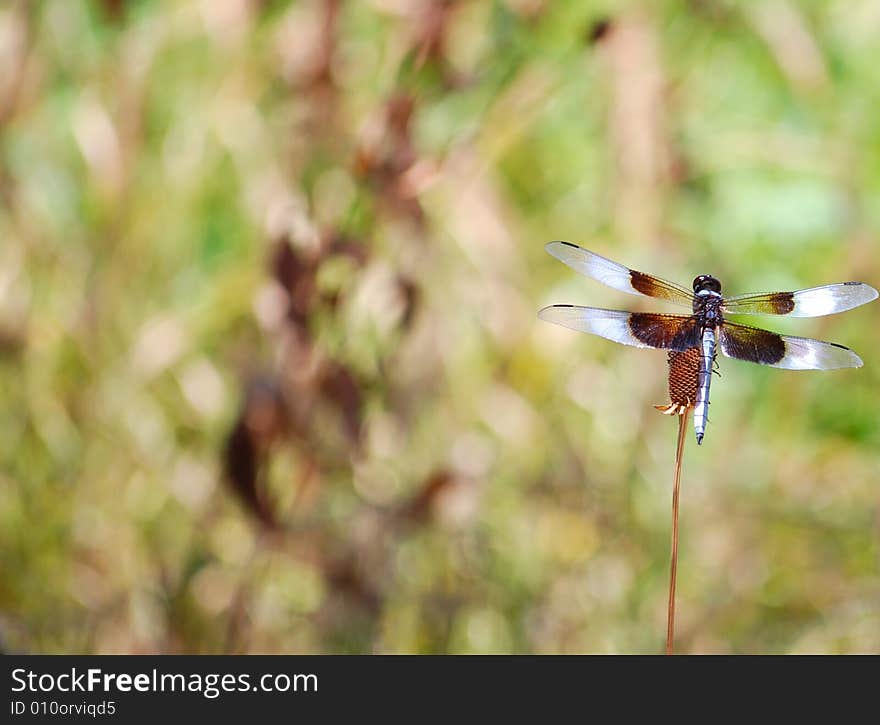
{"x":708,"y":300}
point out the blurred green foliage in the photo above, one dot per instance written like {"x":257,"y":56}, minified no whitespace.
{"x":270,"y":374}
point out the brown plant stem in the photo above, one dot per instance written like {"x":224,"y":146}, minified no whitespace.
{"x":670,"y":612}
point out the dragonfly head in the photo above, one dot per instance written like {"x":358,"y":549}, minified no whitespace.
{"x":708,"y":283}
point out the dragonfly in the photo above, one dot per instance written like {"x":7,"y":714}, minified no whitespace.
{"x":707,"y":327}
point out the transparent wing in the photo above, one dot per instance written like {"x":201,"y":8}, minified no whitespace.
{"x":639,"y":329}
{"x":782,"y":351}
{"x":813,"y":302}
{"x":617,"y":276}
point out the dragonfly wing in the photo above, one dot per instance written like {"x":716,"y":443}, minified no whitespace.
{"x":639,"y":329}
{"x":617,"y":276}
{"x":813,"y":302}
{"x":783,"y":351}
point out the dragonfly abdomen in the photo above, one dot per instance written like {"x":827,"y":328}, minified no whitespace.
{"x":707,"y":357}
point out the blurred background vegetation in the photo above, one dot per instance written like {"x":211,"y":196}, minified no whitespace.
{"x":271,"y":378}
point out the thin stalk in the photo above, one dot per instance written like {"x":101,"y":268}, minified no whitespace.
{"x":676,"y":487}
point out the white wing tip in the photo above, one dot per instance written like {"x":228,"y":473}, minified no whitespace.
{"x":853,"y":360}
{"x":556,"y":243}
{"x":545,"y":312}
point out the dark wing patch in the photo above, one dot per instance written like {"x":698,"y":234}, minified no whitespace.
{"x":773,"y":303}
{"x":668,"y":332}
{"x":651,"y":286}
{"x":751,"y":344}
